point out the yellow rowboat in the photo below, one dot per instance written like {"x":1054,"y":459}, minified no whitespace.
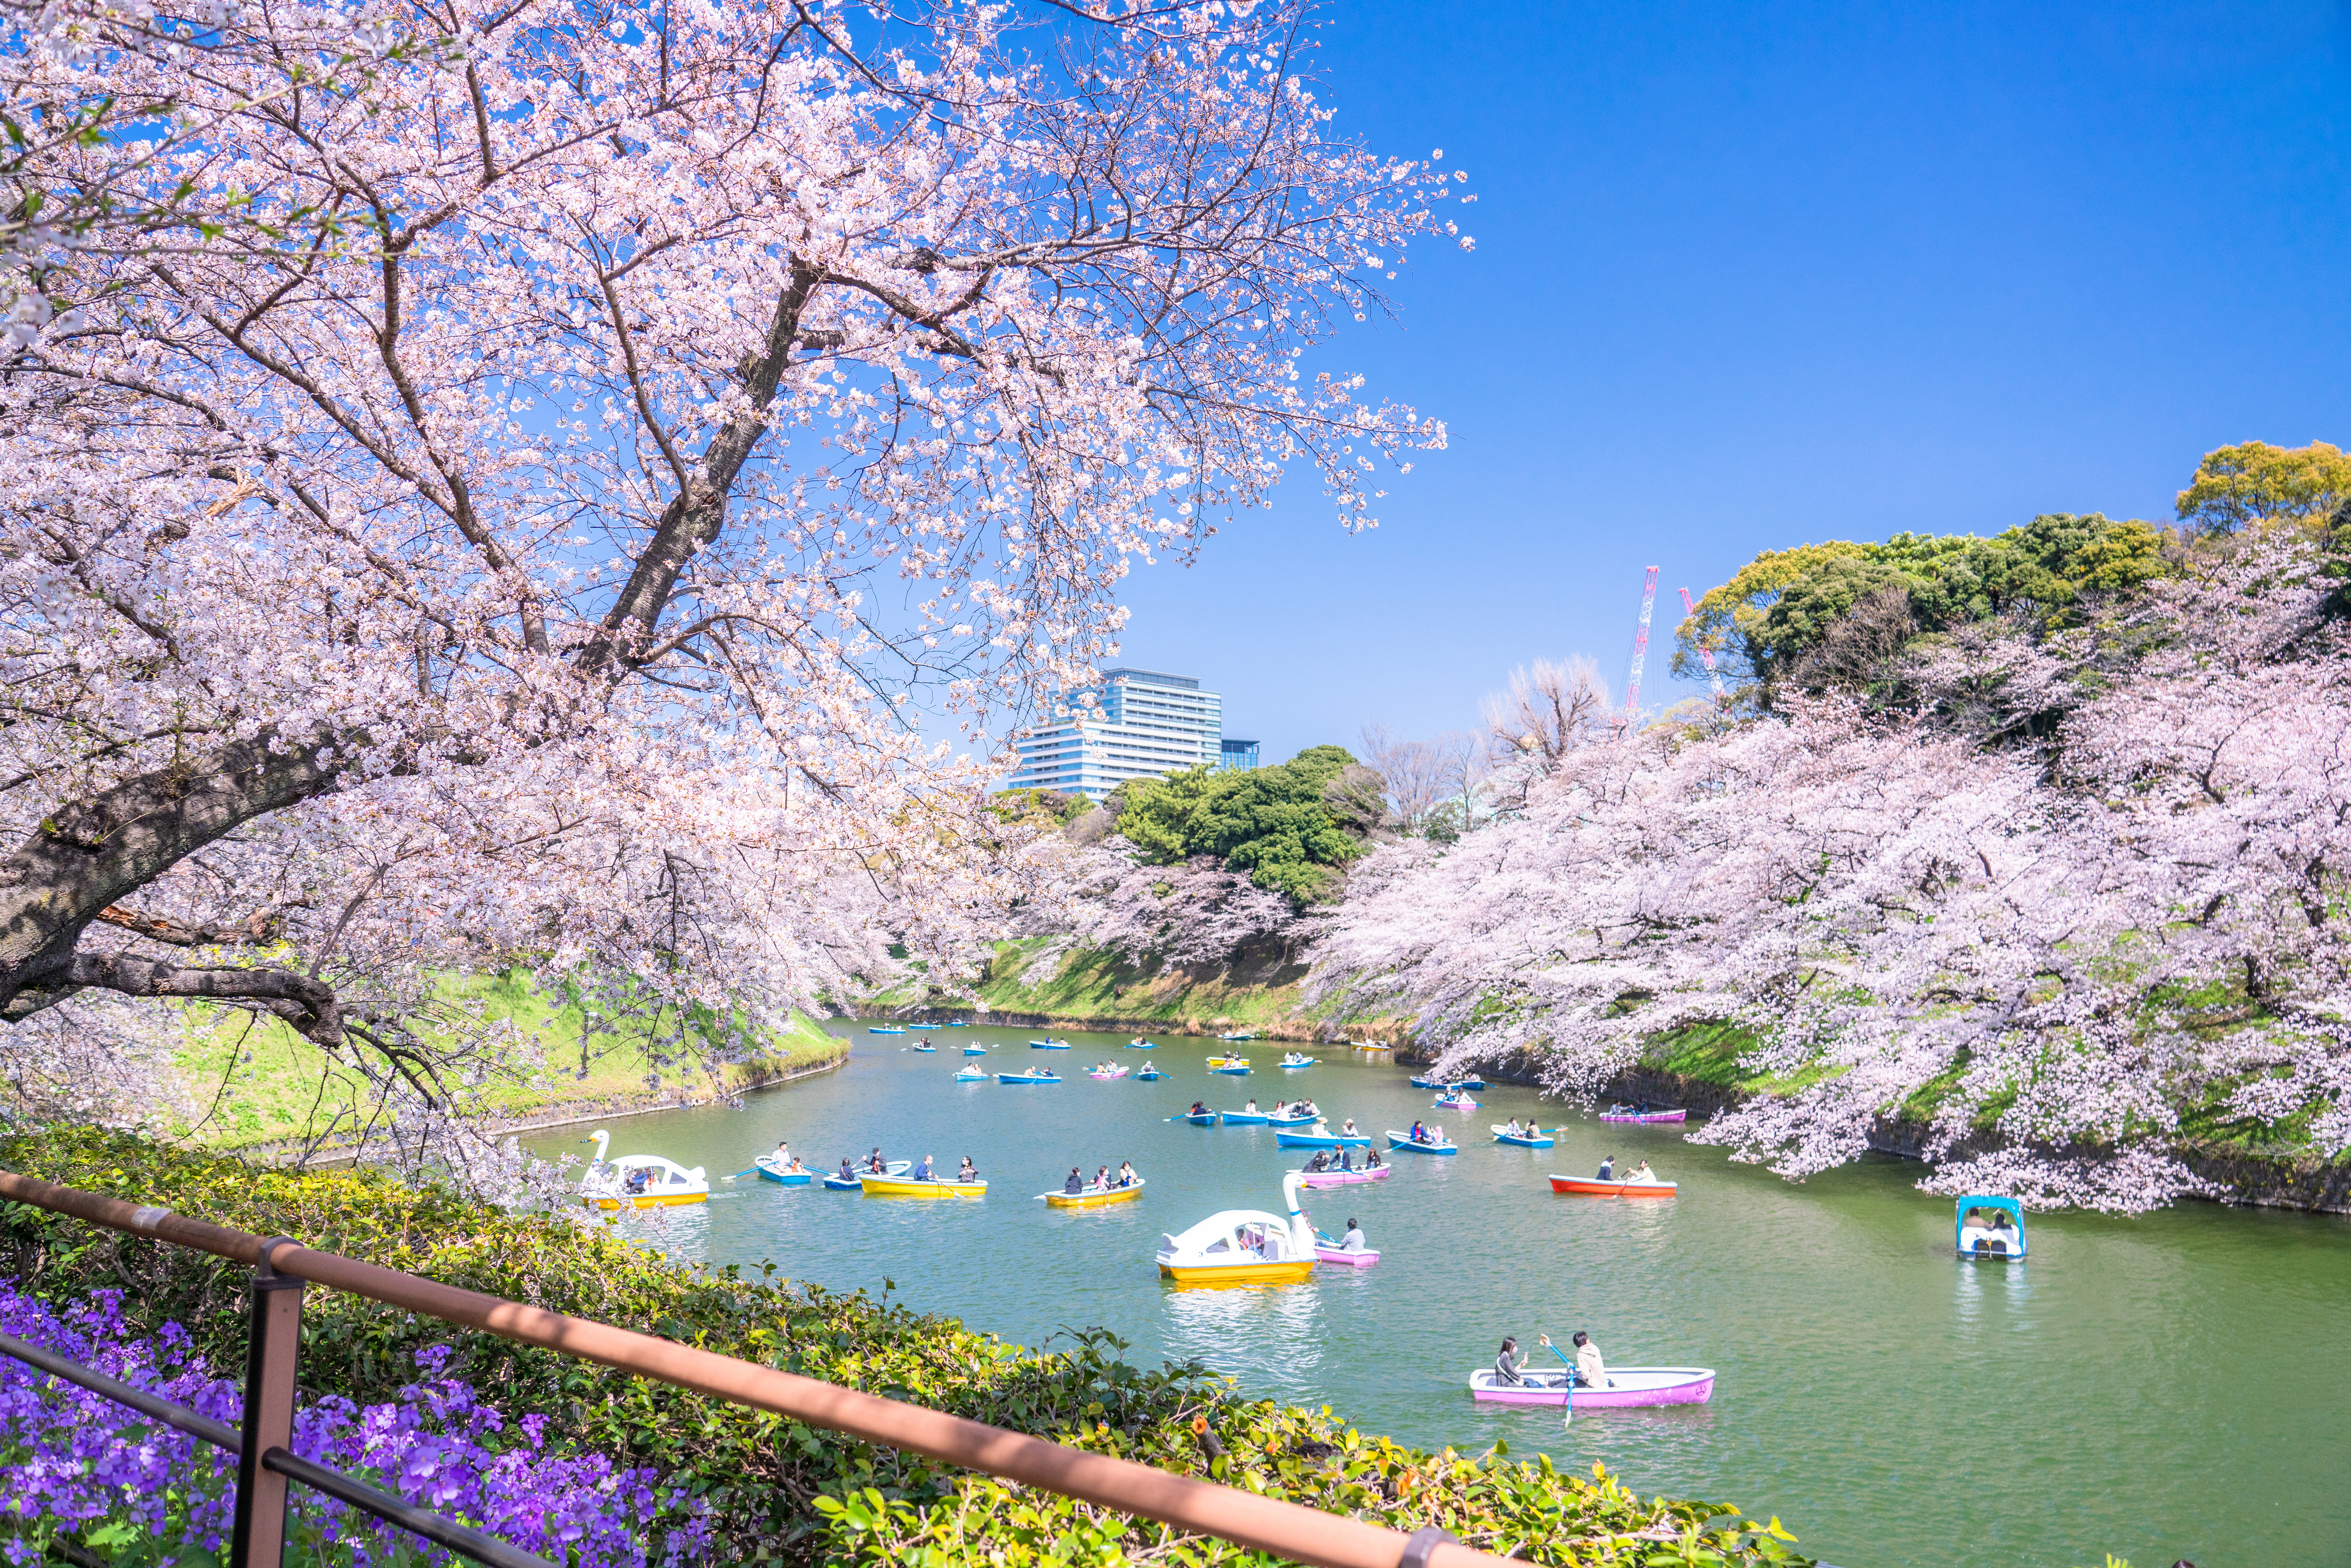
{"x":907,"y":1187}
{"x":648,"y":1200}
{"x":1093,"y":1196}
{"x":1228,"y":1061}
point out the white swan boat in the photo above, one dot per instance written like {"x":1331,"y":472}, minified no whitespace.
{"x":1244,"y":1246}
{"x":639,"y":1181}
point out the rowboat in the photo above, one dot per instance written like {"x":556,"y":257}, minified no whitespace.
{"x":1148,"y":1073}
{"x":1048,"y":1045}
{"x":1405,"y":1141}
{"x":1346,"y":1178}
{"x":1040,"y":1076}
{"x":1093,"y":1196}
{"x":639,"y":1181}
{"x":1231,"y":1072}
{"x":1535,"y":1139}
{"x":1628,"y":1386}
{"x":1106,"y":1073}
{"x":1228,"y":1060}
{"x":1139,"y":1043}
{"x":783,"y":1175}
{"x":921,"y":1026}
{"x":885,"y":1031}
{"x":1456,"y":1102}
{"x":1243,"y":1246}
{"x":1238,"y":1034}
{"x":1620,"y":1114}
{"x":1202,"y":1119}
{"x":1296,"y":1061}
{"x":971,"y":1075}
{"x":1984,"y":1230}
{"x":927,"y":1050}
{"x":839,"y":1183}
{"x":1326,"y":1252}
{"x":1244,"y":1118}
{"x":1306,"y":1120}
{"x":1319,"y":1137}
{"x":905,"y":1186}
{"x":975,"y":1051}
{"x":1590,"y":1189}
{"x":1428,"y":1082}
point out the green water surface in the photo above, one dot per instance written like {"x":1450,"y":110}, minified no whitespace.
{"x":2177,"y":1385}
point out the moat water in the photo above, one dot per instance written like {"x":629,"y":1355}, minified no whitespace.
{"x":2176,"y":1386}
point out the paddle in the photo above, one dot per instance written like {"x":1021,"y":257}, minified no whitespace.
{"x":747,"y":1170}
{"x":1570,"y":1402}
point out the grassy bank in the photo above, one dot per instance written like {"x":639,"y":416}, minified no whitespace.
{"x":779,"y":1492}
{"x":249,"y":1083}
{"x":1048,"y":981}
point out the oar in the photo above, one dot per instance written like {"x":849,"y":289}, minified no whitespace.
{"x":747,"y":1170}
{"x":1570,"y":1402}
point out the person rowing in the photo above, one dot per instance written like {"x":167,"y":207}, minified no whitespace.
{"x":874,"y":1163}
{"x":1346,"y":1159}
{"x":923,"y":1171}
{"x":1589,"y":1370}
{"x":1347,"y":1128}
{"x":1643,"y":1175}
{"x":1197,"y":1109}
{"x":1252,"y":1109}
{"x":1352,"y":1241}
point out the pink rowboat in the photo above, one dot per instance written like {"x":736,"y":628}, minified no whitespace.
{"x":1347,"y":1178}
{"x":1682,"y":1115}
{"x":1346,"y":1258}
{"x":1629,"y":1387}
{"x":1589,"y":1188}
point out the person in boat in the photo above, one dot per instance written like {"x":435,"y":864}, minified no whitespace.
{"x":1076,"y":1183}
{"x":1101,"y":1179}
{"x":1252,"y":1109}
{"x":923,"y":1171}
{"x":1352,"y":1241}
{"x":1589,"y":1370}
{"x":1126,"y":1176}
{"x":1640,"y":1107}
{"x":969,"y":1172}
{"x":1347,"y":1127}
{"x":1420,"y":1133}
{"x":1346,"y":1159}
{"x":1506,"y":1363}
{"x":783,"y":1153}
{"x":876,"y":1163}
{"x":1372,"y":1160}
{"x":1197,"y":1109}
{"x":1607,"y":1169}
{"x":636,"y":1181}
{"x":1643,"y":1175}
{"x":1320,"y":1162}
{"x":848,"y":1171}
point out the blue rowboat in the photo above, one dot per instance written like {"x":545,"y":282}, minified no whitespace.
{"x":1205,"y":1119}
{"x":1245,"y":1118}
{"x":1040,"y":1076}
{"x":894,"y":1167}
{"x":1322,"y":1140}
{"x":1523,"y":1140}
{"x":1048,"y":1045}
{"x":921,"y":1026}
{"x":770,"y":1171}
{"x":1403,"y":1141}
{"x":1425,"y":1083}
{"x":971,"y":1075}
{"x":1272,"y":1121}
{"x":1149,"y":1073}
{"x":885,"y":1031}
{"x":925,"y":1050}
{"x":975,"y":1051}
{"x":1231,"y":1072}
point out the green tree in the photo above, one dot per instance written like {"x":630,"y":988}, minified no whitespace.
{"x":2256,"y":483}
{"x":1271,"y":823}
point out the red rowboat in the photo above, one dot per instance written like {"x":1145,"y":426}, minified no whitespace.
{"x":1611,"y":1188}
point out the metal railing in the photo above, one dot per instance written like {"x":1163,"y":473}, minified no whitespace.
{"x":282,"y":1267}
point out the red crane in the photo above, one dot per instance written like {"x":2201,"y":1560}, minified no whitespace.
{"x":1641,"y":647}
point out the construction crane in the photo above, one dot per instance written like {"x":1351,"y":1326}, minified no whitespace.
{"x":1704,"y":649}
{"x":1641,"y":647}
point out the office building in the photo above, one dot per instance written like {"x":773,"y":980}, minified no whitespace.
{"x":1143,"y":725}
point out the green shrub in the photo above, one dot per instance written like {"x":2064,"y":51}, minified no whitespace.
{"x":782,"y":1492}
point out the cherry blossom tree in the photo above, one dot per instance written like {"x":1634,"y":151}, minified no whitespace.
{"x":582,"y":494}
{"x":2044,"y":956}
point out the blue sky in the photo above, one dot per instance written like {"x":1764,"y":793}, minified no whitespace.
{"x":1748,"y":276}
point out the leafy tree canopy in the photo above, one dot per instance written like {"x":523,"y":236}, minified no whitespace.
{"x":1272,"y":822}
{"x":1782,"y":604}
{"x":2255,"y":482}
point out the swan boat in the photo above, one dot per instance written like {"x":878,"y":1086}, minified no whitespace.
{"x":929,"y":1186}
{"x":1532,"y":1138}
{"x":1345,"y":1178}
{"x":1405,"y":1141}
{"x":1590,"y":1188}
{"x":770,"y":1170}
{"x":1243,"y":1246}
{"x":1625,"y":1113}
{"x":1320,"y":1136}
{"x":1093,"y":1197}
{"x":1040,"y":1076}
{"x":839,"y":1183}
{"x":1629,"y":1387}
{"x":666,"y":1184}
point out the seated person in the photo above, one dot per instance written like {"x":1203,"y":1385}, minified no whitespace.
{"x":637,"y":1179}
{"x":1607,"y":1169}
{"x":1506,"y":1364}
{"x":1642,"y":1174}
{"x":1346,"y":1160}
{"x":1320,"y":1162}
{"x":1352,"y":1241}
{"x":969,"y":1172}
{"x":1371,"y":1159}
{"x":1075,"y":1184}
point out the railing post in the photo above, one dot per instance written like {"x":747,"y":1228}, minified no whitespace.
{"x":273,"y":1335}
